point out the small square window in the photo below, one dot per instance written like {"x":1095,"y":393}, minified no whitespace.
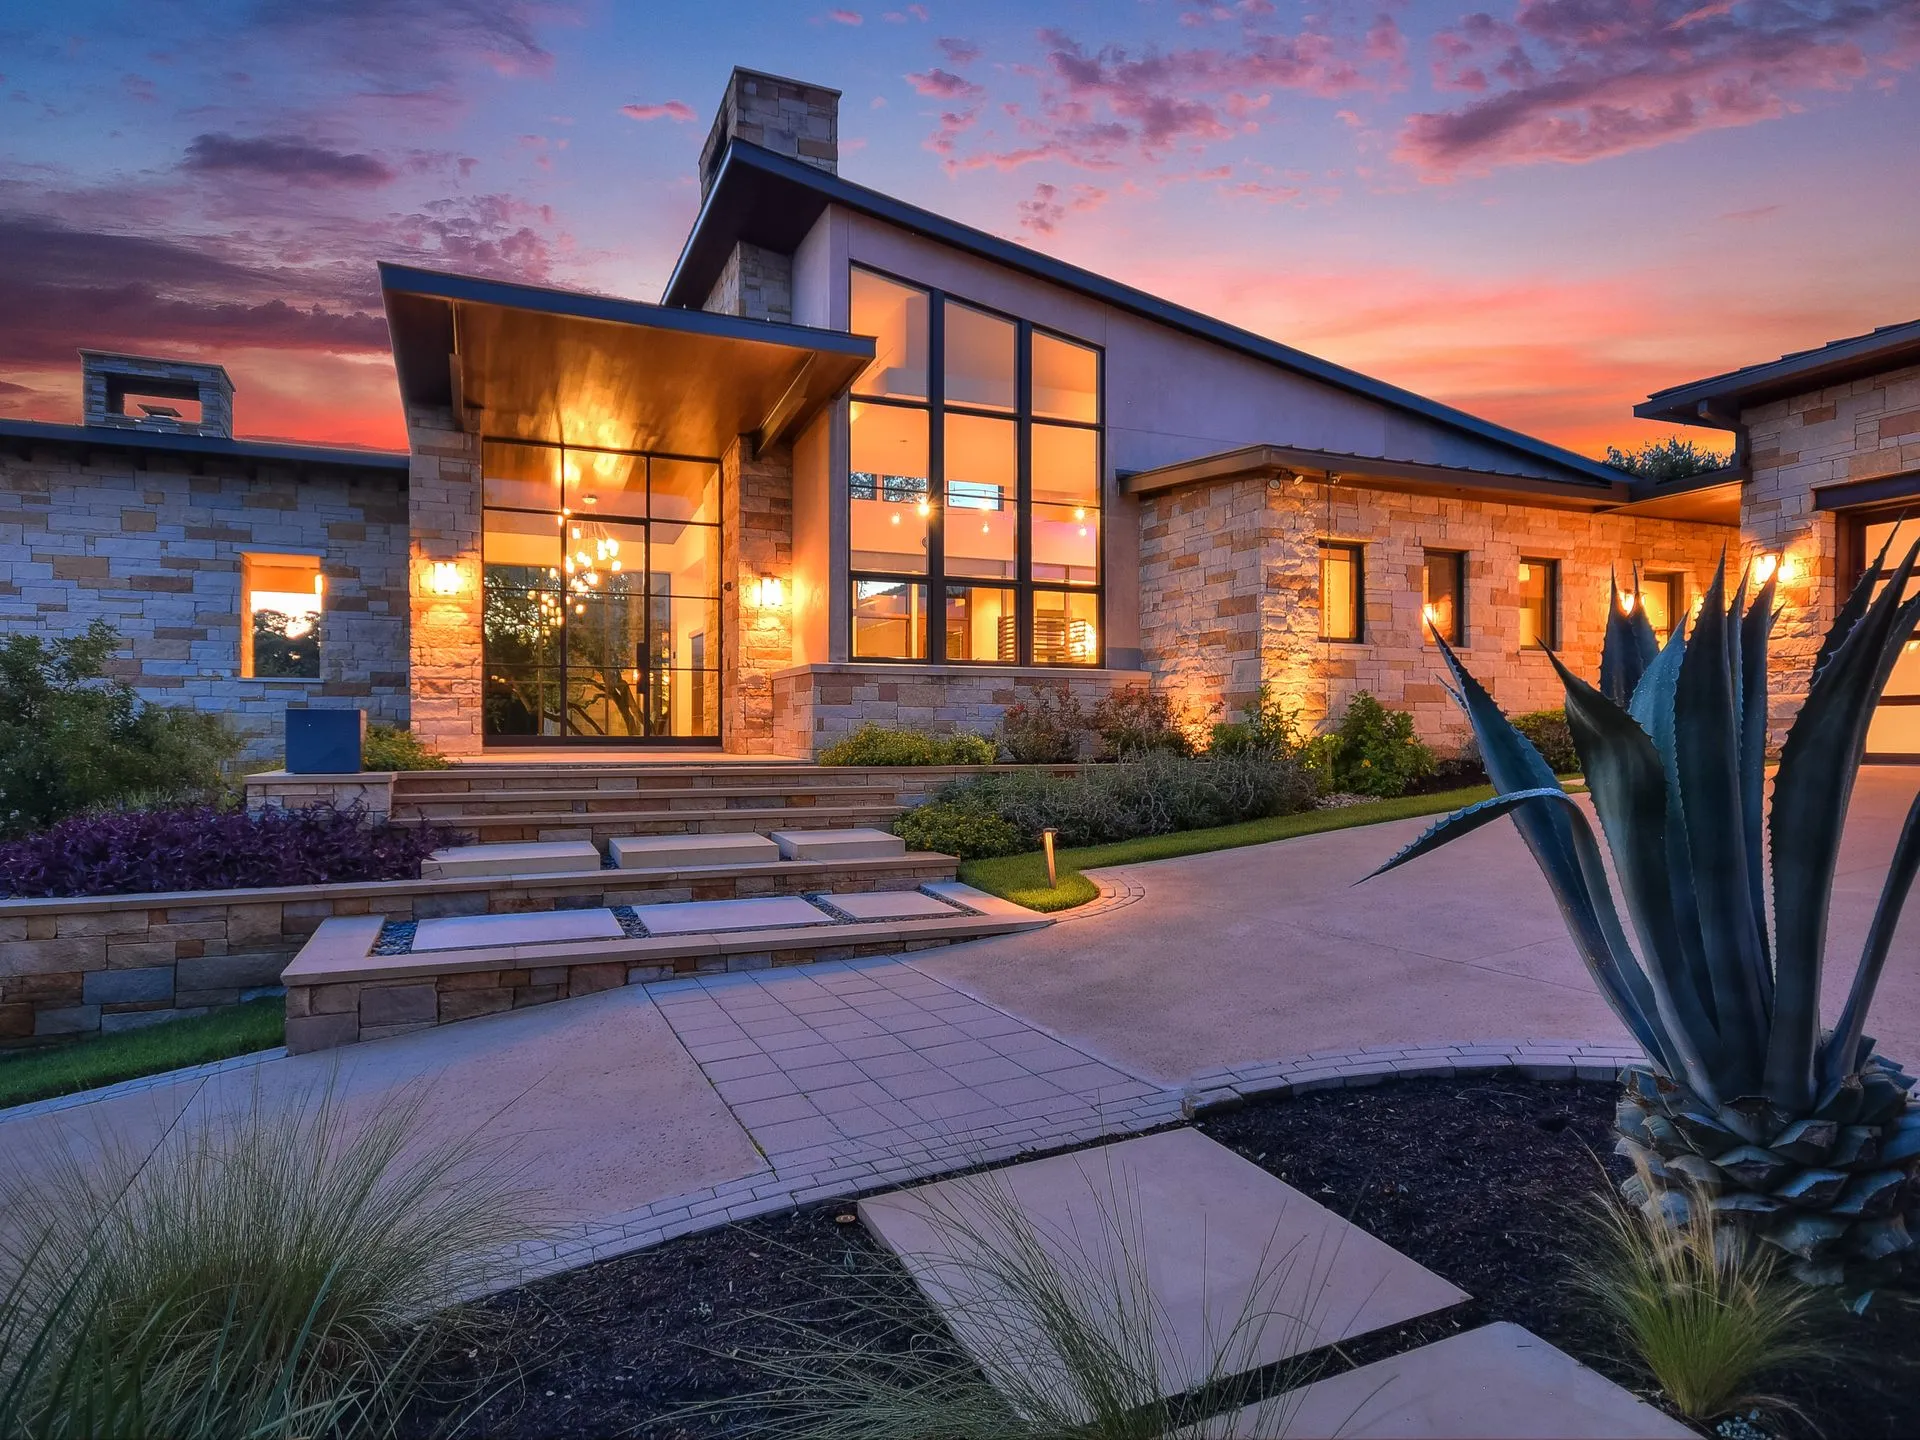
{"x":1444,"y":606}
{"x":1539,"y":603}
{"x":1342,"y":591}
{"x":1664,"y":596}
{"x":282,"y":598}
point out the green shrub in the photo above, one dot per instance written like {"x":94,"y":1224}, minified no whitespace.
{"x":1232,"y":737}
{"x":1371,"y":751}
{"x":1155,"y":793}
{"x":73,"y":740}
{"x":968,"y":831}
{"x":1548,"y":731}
{"x":270,"y":1270}
{"x":1044,"y":729}
{"x":389,"y":747}
{"x":1268,"y":729}
{"x":877,"y":745}
{"x":1137,"y":720}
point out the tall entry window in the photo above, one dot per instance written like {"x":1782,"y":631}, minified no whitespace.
{"x":601,"y":613}
{"x":973,"y":485}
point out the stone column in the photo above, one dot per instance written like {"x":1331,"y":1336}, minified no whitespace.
{"x":444,"y":513}
{"x":756,"y":544}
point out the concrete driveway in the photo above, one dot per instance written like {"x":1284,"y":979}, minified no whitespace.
{"x":1273,"y":952}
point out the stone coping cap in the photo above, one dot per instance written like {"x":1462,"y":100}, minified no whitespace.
{"x":913,"y":671}
{"x":455,"y":884}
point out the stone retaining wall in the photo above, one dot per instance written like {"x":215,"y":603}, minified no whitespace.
{"x":73,"y":966}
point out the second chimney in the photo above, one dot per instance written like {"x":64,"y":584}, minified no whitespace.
{"x":789,"y":117}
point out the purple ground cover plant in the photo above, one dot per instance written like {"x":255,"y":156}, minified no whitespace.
{"x":203,"y":848}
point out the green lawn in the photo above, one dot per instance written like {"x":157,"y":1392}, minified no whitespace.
{"x":104,"y":1059}
{"x":1023,"y":878}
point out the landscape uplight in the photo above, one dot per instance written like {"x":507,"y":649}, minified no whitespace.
{"x":1046,"y":844}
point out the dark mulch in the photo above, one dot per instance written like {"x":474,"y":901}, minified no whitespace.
{"x":1481,"y":1181}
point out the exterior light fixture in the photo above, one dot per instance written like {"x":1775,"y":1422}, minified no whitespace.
{"x":1627,"y":600}
{"x":443,"y":578}
{"x":1764,"y":566}
{"x":769,"y":592}
{"x":1431,"y":616}
{"x":1046,"y":844}
{"x":924,"y":508}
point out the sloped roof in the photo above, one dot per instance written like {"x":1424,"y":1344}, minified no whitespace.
{"x":1718,"y":399}
{"x":773,"y":201}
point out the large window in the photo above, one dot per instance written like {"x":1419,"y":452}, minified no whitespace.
{"x":282,"y":602}
{"x":1443,"y":608}
{"x":1342,"y":591}
{"x":1539,"y":603}
{"x":973,"y":485}
{"x":601,"y":616}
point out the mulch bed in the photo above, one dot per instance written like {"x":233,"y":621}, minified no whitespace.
{"x":1482,"y":1181}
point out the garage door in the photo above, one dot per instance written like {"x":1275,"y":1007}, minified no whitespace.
{"x":1895,"y":731}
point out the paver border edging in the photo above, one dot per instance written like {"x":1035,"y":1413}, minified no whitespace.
{"x":770,"y":1190}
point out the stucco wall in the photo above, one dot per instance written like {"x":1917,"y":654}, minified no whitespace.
{"x":153,"y":546}
{"x":1859,"y":431}
{"x":1230,"y":572}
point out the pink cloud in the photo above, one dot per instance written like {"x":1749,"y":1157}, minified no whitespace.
{"x":944,"y":84}
{"x":675,"y":110}
{"x":958,"y":51}
{"x":845,"y":17}
{"x":1049,"y":205}
{"x":1578,"y":80}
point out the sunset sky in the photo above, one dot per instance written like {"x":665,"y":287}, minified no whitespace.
{"x":1538,"y":212}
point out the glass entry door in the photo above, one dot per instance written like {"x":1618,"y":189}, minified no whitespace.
{"x":1894,"y":733}
{"x":602,"y":605}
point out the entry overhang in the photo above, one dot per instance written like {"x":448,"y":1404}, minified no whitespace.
{"x":531,"y":363}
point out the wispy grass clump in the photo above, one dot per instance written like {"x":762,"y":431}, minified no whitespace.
{"x":1042,"y":1332}
{"x":278,"y":1271}
{"x":1705,"y":1308}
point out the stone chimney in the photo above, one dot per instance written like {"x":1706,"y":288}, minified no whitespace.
{"x":145,"y":392}
{"x":788,"y":117}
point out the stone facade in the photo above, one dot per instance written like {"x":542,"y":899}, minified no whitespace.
{"x":151,"y":542}
{"x":756,"y":283}
{"x":789,"y":117}
{"x":756,"y":545}
{"x":445,"y":515}
{"x":1863,"y":430}
{"x":816,"y":705}
{"x":1230,"y":581}
{"x":106,"y":380}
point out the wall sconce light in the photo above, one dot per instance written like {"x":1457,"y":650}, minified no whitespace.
{"x":1764,"y":566}
{"x":443,"y":578}
{"x":1628,"y":599}
{"x":769,"y":593}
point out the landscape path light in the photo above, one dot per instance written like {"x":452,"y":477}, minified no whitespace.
{"x":1046,"y":844}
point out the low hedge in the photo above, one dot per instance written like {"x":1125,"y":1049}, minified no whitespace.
{"x":878,"y":745}
{"x":1548,"y":731}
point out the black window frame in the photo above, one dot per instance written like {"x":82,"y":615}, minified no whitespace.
{"x":1676,"y":583}
{"x":1552,"y":567}
{"x":1458,"y":559}
{"x":936,"y":408}
{"x":1358,"y":551}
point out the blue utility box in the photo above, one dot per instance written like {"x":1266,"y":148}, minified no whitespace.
{"x":325,"y":742}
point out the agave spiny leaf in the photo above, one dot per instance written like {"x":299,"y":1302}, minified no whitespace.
{"x":1845,"y":1051}
{"x":1615,"y":972}
{"x":1628,"y":647}
{"x":1756,"y":629}
{"x":1706,"y":754}
{"x":1628,"y":781}
{"x":1811,"y":791}
{"x":1855,"y":605}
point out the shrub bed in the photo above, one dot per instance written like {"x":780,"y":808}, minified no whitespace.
{"x":1548,"y":731}
{"x":1372,"y":751}
{"x":1155,"y":793}
{"x":877,"y":745}
{"x":390,"y":747}
{"x":203,"y":848}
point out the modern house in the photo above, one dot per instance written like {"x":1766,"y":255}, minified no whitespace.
{"x":865,"y":463}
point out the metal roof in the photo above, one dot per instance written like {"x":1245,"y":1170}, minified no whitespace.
{"x":1718,"y":399}
{"x":103,"y":437}
{"x":773,"y":201}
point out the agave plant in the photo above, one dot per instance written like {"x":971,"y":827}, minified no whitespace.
{"x":1800,"y":1133}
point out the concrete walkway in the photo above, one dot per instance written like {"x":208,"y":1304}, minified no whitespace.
{"x":652,"y":1111}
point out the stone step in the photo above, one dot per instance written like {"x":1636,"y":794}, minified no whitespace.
{"x":604,"y":826}
{"x":856,"y":844}
{"x":339,"y":992}
{"x":553,"y":857}
{"x":663,"y":852}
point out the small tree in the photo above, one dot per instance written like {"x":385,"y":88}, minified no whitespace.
{"x":71,"y":739}
{"x":1669,"y":459}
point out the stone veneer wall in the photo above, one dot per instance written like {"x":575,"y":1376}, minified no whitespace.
{"x":444,"y":508}
{"x":756,"y":542}
{"x":755,"y":282}
{"x":815,"y":705}
{"x":152,"y":543}
{"x":1858,"y":431}
{"x":1230,"y":578}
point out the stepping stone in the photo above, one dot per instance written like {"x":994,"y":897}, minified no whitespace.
{"x":1215,"y":1240}
{"x":891,"y":905}
{"x":467,"y":932}
{"x":699,"y":917}
{"x":838,"y":844}
{"x":679,"y":852}
{"x":1499,"y":1382}
{"x":543,"y":857}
